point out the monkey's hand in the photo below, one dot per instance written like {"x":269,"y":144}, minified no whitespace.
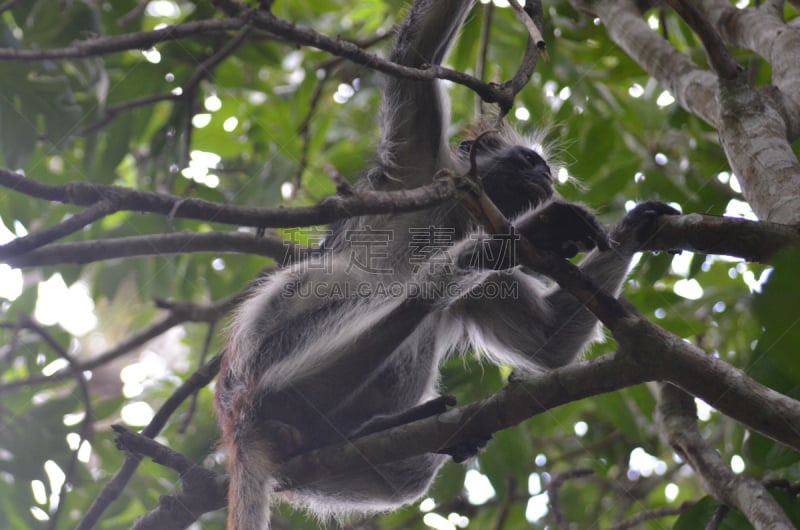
{"x":564,"y":228}
{"x":466,"y":449}
{"x":640,"y":224}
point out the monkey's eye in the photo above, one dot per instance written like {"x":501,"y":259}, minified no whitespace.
{"x":532,"y":158}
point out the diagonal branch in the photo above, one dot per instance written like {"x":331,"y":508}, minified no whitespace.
{"x":693,"y":87}
{"x":117,"y":484}
{"x":677,"y":422}
{"x":720,"y":59}
{"x":189,"y":88}
{"x":23,"y":245}
{"x":178,"y":314}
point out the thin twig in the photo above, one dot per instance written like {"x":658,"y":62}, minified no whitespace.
{"x":144,"y":40}
{"x":86,"y":423}
{"x":720,"y":59}
{"x":217,"y":242}
{"x":480,"y":69}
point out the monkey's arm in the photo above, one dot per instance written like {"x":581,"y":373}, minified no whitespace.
{"x":573,"y":325}
{"x":415,"y":114}
{"x":529,"y":327}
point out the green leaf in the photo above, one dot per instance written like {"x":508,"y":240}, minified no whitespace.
{"x":697,"y":516}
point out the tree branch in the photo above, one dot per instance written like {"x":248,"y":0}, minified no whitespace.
{"x":719,"y":57}
{"x":763,"y":31}
{"x":709,"y":234}
{"x":677,"y":421}
{"x":178,"y":314}
{"x":202,"y":490}
{"x":692,"y":87}
{"x":100,"y":46}
{"x":189,"y":89}
{"x":117,"y":484}
{"x":83,"y":252}
{"x":23,"y":245}
{"x":335,"y":207}
{"x":650,"y":515}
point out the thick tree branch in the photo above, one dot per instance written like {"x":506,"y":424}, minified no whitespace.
{"x":661,"y":354}
{"x":515,"y":403}
{"x":755,"y":241}
{"x":754,"y":135}
{"x":724,"y":387}
{"x":665,"y":358}
{"x":520,"y":400}
{"x":677,"y":421}
{"x":752,"y":125}
{"x":746,"y":114}
{"x":708,"y":234}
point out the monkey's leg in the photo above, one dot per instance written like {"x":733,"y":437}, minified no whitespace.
{"x":429,"y":408}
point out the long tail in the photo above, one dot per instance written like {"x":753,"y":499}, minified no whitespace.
{"x":251,"y":487}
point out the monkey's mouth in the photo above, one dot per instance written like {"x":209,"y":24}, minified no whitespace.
{"x":517,"y":193}
{"x":537,"y":186}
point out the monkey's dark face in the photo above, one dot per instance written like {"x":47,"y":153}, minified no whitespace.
{"x":515,"y":178}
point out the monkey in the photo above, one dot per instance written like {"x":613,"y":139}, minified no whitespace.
{"x":318,"y":355}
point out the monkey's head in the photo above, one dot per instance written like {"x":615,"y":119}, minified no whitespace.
{"x":516,"y":178}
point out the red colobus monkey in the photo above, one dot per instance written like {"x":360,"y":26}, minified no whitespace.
{"x":305,"y":368}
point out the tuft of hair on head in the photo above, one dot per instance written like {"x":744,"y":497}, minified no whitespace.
{"x":496,"y":134}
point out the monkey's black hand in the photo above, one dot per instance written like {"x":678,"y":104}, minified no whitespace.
{"x":640,"y":224}
{"x":466,"y":449}
{"x":565,"y":229}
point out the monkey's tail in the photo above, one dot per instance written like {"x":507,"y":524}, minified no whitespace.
{"x":252,"y":486}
